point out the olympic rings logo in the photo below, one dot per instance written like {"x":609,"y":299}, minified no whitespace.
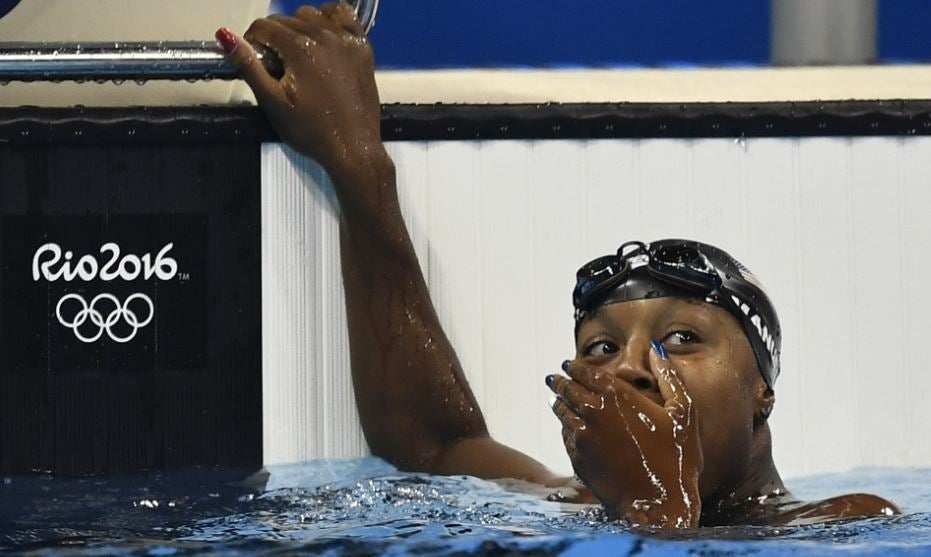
{"x":82,"y":316}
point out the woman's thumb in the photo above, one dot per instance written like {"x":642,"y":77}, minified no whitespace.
{"x":243,"y":57}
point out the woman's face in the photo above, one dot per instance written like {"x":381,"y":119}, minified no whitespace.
{"x":708,"y":348}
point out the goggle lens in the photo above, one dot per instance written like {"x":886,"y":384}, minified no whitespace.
{"x":592,"y":275}
{"x":686,"y":263}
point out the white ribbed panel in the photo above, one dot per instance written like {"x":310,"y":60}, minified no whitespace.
{"x":836,"y":228}
{"x":915,"y":198}
{"x":309,"y":411}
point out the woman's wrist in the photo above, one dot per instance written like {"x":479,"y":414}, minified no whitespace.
{"x":365,"y":184}
{"x":360,"y":160}
{"x":683,"y":511}
{"x":364,"y":178}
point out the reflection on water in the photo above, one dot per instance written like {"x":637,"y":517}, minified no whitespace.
{"x":366,"y":507}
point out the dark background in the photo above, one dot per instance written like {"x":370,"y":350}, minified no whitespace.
{"x":467,"y":33}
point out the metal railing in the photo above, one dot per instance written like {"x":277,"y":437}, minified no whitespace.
{"x":137,"y":61}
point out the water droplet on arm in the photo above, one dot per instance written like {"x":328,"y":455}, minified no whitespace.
{"x":646,"y":421}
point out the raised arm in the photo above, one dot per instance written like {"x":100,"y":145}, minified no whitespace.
{"x":416,"y":407}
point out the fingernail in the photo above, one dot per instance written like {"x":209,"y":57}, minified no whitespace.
{"x":227,"y":40}
{"x":565,"y":365}
{"x":549,"y":380}
{"x":660,"y":350}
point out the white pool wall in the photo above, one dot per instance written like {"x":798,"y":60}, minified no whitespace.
{"x":836,"y":228}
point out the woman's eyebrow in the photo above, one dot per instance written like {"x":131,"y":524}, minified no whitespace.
{"x":597,"y":320}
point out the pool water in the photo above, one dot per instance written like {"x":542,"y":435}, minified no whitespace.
{"x":367,"y":507}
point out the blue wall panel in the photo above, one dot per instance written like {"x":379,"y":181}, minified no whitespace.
{"x":905,"y":30}
{"x":453,"y":33}
{"x":534,"y":32}
{"x":483,"y":33}
{"x":7,"y":5}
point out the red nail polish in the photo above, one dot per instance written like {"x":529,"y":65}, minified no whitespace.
{"x":227,"y":40}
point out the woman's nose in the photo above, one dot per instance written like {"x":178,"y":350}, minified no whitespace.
{"x":634,"y":367}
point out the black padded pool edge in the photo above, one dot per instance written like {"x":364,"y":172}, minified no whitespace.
{"x":438,"y":122}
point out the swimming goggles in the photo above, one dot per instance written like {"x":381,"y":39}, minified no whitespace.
{"x":674,"y":263}
{"x":683,"y":267}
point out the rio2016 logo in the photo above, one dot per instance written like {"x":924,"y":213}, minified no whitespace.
{"x":105,"y":313}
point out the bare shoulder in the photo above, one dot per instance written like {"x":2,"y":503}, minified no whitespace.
{"x":483,"y":457}
{"x":852,"y":505}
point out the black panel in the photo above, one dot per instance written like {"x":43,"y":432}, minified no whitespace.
{"x":113,"y":282}
{"x":119,"y":391}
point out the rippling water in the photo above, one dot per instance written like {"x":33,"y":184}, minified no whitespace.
{"x":366,"y":507}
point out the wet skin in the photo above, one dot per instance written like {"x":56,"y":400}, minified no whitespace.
{"x":416,"y":408}
{"x":629,"y":406}
{"x":682,"y":441}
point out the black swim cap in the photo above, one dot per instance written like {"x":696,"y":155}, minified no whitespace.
{"x":684,"y":268}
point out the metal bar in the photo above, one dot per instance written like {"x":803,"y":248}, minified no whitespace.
{"x":138,"y":61}
{"x":811,"y":32}
{"x":113,"y":61}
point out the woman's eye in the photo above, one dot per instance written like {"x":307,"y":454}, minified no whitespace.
{"x":680,"y":338}
{"x":602,"y":348}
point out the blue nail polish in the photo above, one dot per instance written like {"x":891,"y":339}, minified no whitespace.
{"x":549,"y":380}
{"x":660,"y":350}
{"x":565,"y":365}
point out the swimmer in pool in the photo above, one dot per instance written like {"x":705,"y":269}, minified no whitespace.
{"x":665,"y":405}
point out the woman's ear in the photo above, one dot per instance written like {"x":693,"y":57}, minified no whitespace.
{"x":764,"y":400}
